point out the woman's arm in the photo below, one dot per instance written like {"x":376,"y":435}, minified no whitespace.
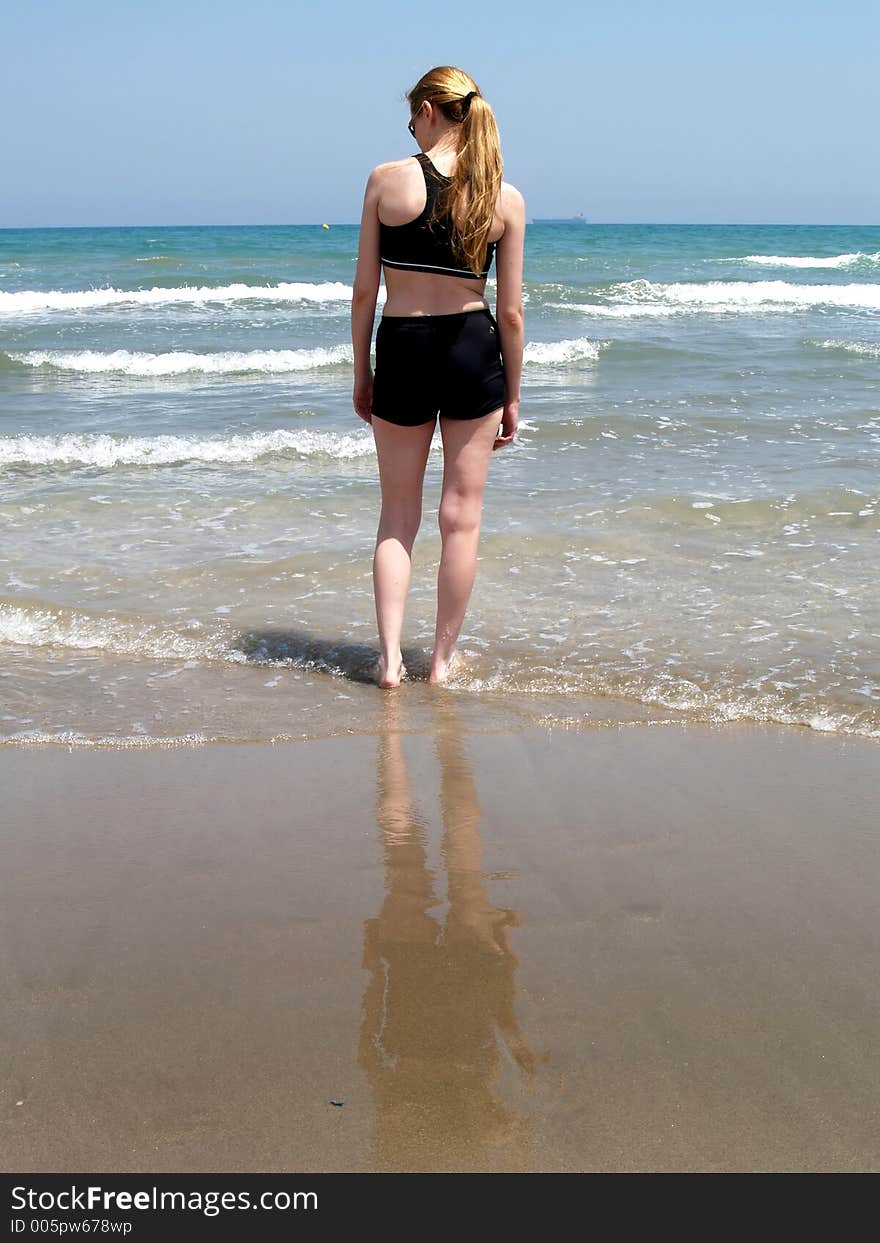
{"x":363,"y":300}
{"x":509,"y":306}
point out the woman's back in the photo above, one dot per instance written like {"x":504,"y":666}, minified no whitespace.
{"x":413,"y":256}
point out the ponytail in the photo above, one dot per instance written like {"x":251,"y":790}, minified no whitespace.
{"x":471,"y":196}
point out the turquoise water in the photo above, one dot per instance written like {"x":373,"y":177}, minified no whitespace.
{"x":686,"y":528}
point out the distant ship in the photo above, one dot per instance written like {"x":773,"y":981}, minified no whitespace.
{"x":580,"y":218}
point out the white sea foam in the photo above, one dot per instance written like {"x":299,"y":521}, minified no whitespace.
{"x":140,"y":363}
{"x":614,"y":312}
{"x":69,"y":628}
{"x":28,"y":301}
{"x":265,"y":362}
{"x":856,"y":259}
{"x":55,"y":626}
{"x":97,"y":449}
{"x":73,"y":738}
{"x":644,"y":297}
{"x":581,"y":349}
{"x":852,"y":347}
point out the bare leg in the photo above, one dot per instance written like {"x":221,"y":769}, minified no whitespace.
{"x":402,"y":453}
{"x":467,"y":448}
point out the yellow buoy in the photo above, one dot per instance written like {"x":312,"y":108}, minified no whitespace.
{"x":325,"y":226}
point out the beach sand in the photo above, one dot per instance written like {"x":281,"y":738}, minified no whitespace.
{"x":636,"y":947}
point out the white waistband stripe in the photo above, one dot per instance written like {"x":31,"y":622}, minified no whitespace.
{"x":431,"y":267}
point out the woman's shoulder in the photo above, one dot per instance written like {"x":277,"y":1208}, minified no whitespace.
{"x":511,"y":197}
{"x":511,"y":206}
{"x":382,"y":171}
{"x":391,"y":177}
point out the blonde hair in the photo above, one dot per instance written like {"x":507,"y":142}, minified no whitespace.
{"x":476,"y":179}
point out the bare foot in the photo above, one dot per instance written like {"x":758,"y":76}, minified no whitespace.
{"x":385,"y":679}
{"x":442,"y":669}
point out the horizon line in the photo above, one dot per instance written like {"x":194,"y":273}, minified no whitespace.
{"x":759,"y":224}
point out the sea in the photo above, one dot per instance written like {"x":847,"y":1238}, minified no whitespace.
{"x":686,"y":528}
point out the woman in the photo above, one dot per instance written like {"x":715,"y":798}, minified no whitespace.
{"x":434,"y":222}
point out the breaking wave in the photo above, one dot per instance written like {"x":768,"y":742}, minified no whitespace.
{"x":104,"y":450}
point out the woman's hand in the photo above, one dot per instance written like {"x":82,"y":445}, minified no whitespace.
{"x":363,"y":396}
{"x":509,"y":424}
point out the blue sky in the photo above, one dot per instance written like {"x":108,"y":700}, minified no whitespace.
{"x":200,"y":112}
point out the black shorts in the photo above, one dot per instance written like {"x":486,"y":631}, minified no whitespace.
{"x":430,"y":364}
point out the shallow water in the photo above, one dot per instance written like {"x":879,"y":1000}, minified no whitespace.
{"x":686,"y":527}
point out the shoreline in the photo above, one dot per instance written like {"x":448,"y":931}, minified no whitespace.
{"x":416,"y":704}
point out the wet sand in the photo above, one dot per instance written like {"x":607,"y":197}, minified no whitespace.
{"x":643,"y":947}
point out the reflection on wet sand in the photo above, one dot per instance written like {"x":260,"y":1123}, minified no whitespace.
{"x":438,"y":1011}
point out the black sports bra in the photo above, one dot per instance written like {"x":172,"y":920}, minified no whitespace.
{"x":417,"y":248}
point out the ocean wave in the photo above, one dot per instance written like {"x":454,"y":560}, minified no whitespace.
{"x":858,"y":259}
{"x":29,"y":301}
{"x":850,"y":347}
{"x":36,"y":624}
{"x":106,"y":451}
{"x":172,"y":363}
{"x":581,"y":349}
{"x":55,"y":626}
{"x":261,"y":362}
{"x":644,"y":297}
